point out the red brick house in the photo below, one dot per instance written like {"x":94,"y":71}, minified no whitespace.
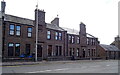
{"x":54,"y":42}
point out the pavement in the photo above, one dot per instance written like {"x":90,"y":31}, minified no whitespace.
{"x":41,"y":62}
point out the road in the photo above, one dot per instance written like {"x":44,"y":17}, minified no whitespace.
{"x":81,"y":66}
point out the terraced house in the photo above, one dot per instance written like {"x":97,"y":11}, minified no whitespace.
{"x":54,"y":42}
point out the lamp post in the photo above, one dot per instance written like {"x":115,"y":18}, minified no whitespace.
{"x":2,"y":15}
{"x":36,"y":32}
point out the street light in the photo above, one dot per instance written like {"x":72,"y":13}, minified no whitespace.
{"x":2,"y":15}
{"x":36,"y":33}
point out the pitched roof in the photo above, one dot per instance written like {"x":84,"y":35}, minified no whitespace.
{"x":90,"y":36}
{"x":71,"y":31}
{"x":54,"y":27}
{"x":109,"y":47}
{"x":16,"y":19}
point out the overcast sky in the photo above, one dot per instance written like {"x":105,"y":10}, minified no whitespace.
{"x":100,"y":16}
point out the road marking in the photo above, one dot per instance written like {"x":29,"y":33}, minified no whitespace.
{"x":107,"y":65}
{"x":9,"y":66}
{"x":95,"y":66}
{"x":49,"y":70}
{"x":61,"y":69}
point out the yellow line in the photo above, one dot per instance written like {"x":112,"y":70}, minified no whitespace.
{"x":21,"y":65}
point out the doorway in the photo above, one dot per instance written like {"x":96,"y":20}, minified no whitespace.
{"x":39,"y":51}
{"x":83,"y":53}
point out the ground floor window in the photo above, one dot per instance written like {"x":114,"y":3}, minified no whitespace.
{"x":49,"y":50}
{"x":58,"y":51}
{"x":88,"y":52}
{"x":17,"y":49}
{"x":13,"y":49}
{"x":94,"y":52}
{"x":77,"y":52}
{"x":10,"y":49}
{"x":71,"y":51}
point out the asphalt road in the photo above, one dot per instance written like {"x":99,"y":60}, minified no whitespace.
{"x":88,"y":66}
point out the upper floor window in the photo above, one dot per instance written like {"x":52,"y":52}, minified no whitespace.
{"x":58,"y":36}
{"x":70,"y":39}
{"x":87,"y":41}
{"x":18,"y":28}
{"x":48,"y":35}
{"x":93,"y":41}
{"x":11,"y":29}
{"x":73,"y":39}
{"x":78,"y":40}
{"x":29,"y":31}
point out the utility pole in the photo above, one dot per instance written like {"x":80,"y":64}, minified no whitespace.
{"x":36,"y":33}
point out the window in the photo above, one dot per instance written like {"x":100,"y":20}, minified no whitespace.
{"x":10,"y":49}
{"x":77,"y":52}
{"x":58,"y":50}
{"x":11,"y":29}
{"x":73,"y":51}
{"x":78,"y":40}
{"x":18,"y":28}
{"x":93,"y":41}
{"x":87,"y":41}
{"x":70,"y":39}
{"x":27,"y":49}
{"x":58,"y":36}
{"x":70,"y":52}
{"x":88,"y":52}
{"x":48,"y":35}
{"x":73,"y":39}
{"x":17,"y":49}
{"x":92,"y":52}
{"x":29,"y":32}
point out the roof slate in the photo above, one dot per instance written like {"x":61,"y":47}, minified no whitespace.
{"x":54,"y":27}
{"x":71,"y":31}
{"x":109,"y":47}
{"x":16,"y":19}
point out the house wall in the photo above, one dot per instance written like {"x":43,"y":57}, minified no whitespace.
{"x":101,"y":52}
{"x":44,"y":42}
{"x":22,"y":39}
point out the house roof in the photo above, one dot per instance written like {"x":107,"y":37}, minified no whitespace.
{"x":54,"y":27}
{"x":71,"y":31}
{"x":109,"y":47}
{"x":16,"y":19}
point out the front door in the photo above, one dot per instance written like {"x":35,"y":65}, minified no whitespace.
{"x":83,"y":52}
{"x":39,"y":51}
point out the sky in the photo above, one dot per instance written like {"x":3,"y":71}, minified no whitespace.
{"x":99,"y":16}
